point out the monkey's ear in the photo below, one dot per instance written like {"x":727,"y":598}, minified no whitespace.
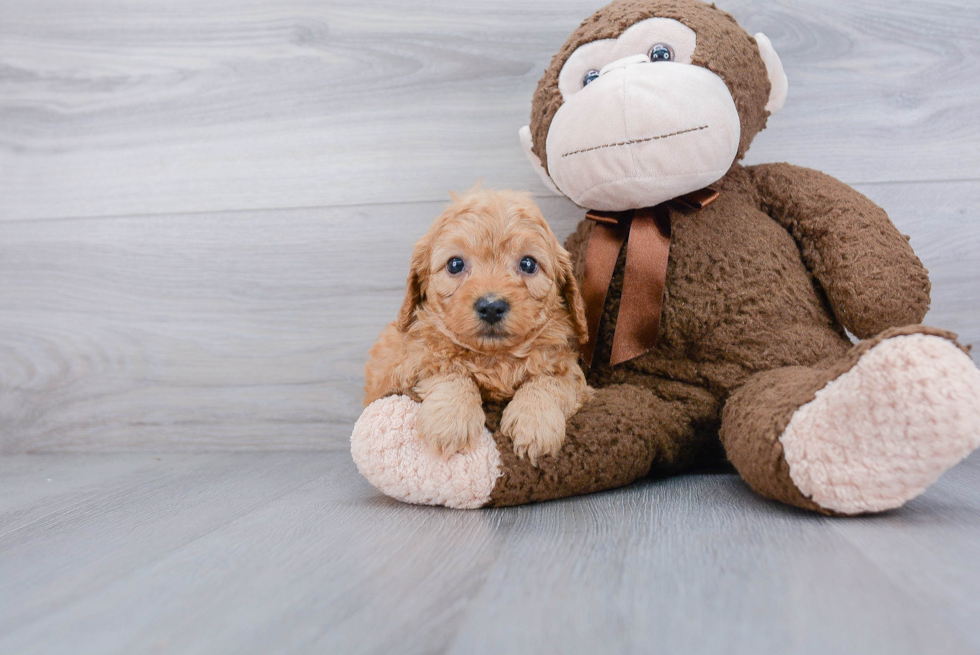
{"x":413,"y":287}
{"x":777,"y":76}
{"x":528,"y":143}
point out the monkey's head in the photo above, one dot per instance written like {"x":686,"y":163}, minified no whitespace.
{"x":649,"y":100}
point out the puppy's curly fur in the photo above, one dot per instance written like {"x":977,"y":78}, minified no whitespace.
{"x":441,"y":351}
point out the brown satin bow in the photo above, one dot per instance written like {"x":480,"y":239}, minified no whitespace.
{"x":647,"y":235}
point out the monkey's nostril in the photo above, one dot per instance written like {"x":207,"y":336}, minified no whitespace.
{"x":491,"y":310}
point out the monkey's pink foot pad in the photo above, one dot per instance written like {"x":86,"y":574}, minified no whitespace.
{"x":389,"y":454}
{"x":885,"y":430}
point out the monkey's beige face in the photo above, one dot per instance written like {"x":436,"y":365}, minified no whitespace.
{"x":640,"y":124}
{"x":640,"y":120}
{"x":494,"y":272}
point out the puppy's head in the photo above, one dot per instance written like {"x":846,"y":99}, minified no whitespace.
{"x":490,"y":273}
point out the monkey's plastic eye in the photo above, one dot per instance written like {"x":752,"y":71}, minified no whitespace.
{"x":455,"y":266}
{"x":529,"y":265}
{"x":661,"y":52}
{"x":591,"y":76}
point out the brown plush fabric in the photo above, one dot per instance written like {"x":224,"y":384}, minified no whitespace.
{"x":723,"y":47}
{"x":602,"y":450}
{"x":743,"y":306}
{"x":756,"y":415}
{"x":760,"y":287}
{"x":867,"y":268}
{"x":739,"y":299}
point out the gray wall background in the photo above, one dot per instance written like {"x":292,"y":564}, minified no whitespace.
{"x":207,"y":209}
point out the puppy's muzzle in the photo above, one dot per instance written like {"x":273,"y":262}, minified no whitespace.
{"x":491,"y":309}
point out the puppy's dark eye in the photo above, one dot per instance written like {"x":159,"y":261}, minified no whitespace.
{"x":591,"y":76}
{"x":661,"y":52}
{"x":455,"y":266}
{"x":529,"y":265}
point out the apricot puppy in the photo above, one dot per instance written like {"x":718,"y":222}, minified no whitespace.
{"x":491,"y":312}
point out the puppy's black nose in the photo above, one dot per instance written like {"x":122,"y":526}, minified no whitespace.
{"x":491,"y":310}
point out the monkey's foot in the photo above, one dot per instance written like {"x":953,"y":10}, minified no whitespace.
{"x":389,"y":454}
{"x":885,"y":430}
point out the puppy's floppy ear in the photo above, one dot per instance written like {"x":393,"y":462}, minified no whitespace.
{"x":414,"y":287}
{"x":573,"y":299}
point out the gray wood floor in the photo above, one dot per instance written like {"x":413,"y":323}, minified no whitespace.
{"x":295,"y":553}
{"x":206,"y":216}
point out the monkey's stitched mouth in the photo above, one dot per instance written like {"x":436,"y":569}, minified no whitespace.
{"x":632,"y":141}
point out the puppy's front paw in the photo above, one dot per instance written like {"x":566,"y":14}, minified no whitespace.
{"x":449,"y":428}
{"x":536,"y":428}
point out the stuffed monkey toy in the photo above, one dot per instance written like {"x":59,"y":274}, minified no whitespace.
{"x":718,"y":296}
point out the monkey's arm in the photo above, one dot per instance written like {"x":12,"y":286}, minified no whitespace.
{"x":866,"y":267}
